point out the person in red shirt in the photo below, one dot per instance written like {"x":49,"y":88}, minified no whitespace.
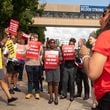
{"x":98,"y":65}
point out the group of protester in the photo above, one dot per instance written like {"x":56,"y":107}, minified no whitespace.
{"x":64,"y":66}
{"x":36,"y":58}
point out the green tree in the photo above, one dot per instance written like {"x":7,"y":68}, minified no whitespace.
{"x":6,"y":9}
{"x":39,"y":31}
{"x":23,"y":11}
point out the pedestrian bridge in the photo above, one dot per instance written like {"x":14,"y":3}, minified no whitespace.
{"x":65,"y":22}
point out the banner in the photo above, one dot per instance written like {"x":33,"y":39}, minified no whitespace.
{"x":10,"y":47}
{"x":33,"y":50}
{"x":20,"y":52}
{"x":13,"y":27}
{"x":51,"y":60}
{"x":68,"y":52}
{"x":1,"y":59}
{"x":89,"y":8}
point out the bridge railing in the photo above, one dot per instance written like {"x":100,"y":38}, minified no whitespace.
{"x":66,"y":22}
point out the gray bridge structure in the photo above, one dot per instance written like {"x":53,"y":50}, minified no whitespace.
{"x":69,"y":15}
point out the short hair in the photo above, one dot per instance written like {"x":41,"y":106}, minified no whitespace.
{"x":35,"y":35}
{"x":107,"y":9}
{"x":93,"y":34}
{"x":83,"y":41}
{"x":52,"y":40}
{"x":72,"y":40}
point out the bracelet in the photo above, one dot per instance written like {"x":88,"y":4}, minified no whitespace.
{"x":84,"y":57}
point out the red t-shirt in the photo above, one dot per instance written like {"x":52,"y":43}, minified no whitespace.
{"x":102,"y":84}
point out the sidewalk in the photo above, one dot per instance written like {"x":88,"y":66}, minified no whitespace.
{"x":42,"y":104}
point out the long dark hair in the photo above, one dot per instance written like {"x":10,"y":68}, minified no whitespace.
{"x":106,"y":11}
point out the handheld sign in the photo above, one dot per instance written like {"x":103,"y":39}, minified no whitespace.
{"x":68,"y":52}
{"x":10,"y":47}
{"x":33,"y":50}
{"x":51,"y":60}
{"x":13,"y":27}
{"x":20,"y":52}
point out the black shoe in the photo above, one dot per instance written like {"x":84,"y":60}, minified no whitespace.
{"x":16,"y":89}
{"x":41,"y":89}
{"x":50,"y":101}
{"x":86,"y":98}
{"x":11,"y":91}
{"x":71,"y":99}
{"x":56,"y":101}
{"x":77,"y":95}
{"x":63,"y":97}
{"x":12,"y":99}
{"x":94,"y":108}
{"x":20,"y":79}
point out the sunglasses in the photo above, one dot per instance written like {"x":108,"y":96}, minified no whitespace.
{"x":52,"y":42}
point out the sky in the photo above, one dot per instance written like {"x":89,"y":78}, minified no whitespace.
{"x":63,"y":34}
{"x":81,"y":2}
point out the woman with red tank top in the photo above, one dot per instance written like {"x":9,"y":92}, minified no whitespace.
{"x":97,"y":66}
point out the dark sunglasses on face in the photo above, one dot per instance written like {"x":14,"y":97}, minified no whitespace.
{"x":52,"y":42}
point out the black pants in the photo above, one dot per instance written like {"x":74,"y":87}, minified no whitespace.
{"x":81,"y":76}
{"x":20,"y":71}
{"x":104,"y":103}
{"x":68,"y":76}
{"x":61,"y":78}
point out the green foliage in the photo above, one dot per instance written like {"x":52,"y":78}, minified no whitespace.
{"x":6,"y":9}
{"x":23,"y":11}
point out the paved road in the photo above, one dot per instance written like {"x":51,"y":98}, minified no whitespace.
{"x":42,"y":104}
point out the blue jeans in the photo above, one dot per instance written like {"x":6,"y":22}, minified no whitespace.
{"x":20,"y":71}
{"x":33,"y":78}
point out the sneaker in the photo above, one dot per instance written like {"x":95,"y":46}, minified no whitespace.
{"x":28,"y":96}
{"x":11,"y":91}
{"x":16,"y":89}
{"x":12,"y":99}
{"x":37,"y":96}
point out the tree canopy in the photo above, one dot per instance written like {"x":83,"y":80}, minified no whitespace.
{"x":23,"y":11}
